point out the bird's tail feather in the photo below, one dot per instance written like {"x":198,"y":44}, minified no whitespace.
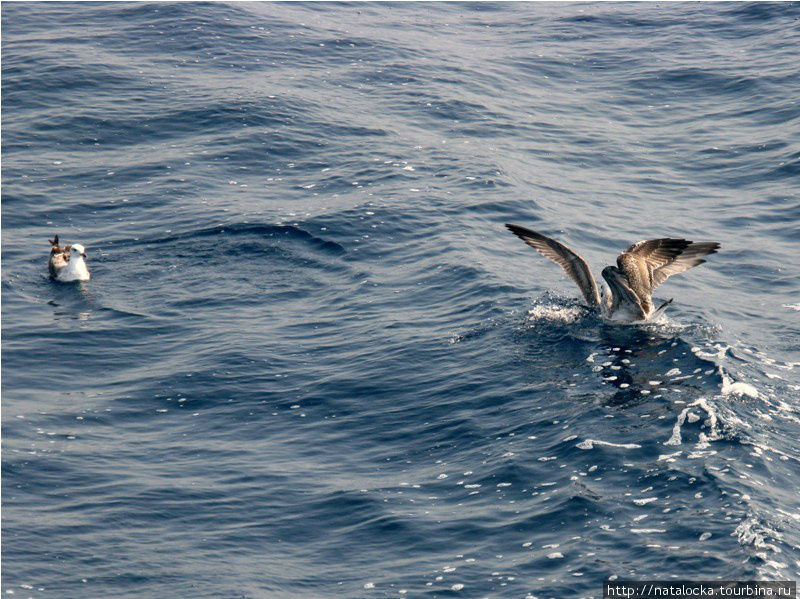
{"x":661,"y":309}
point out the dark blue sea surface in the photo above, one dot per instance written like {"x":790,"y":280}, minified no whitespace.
{"x":311,"y":361}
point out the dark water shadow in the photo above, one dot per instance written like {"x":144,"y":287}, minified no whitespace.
{"x":647,"y":361}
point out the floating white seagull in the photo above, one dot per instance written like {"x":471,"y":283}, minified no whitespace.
{"x":639,"y":270}
{"x":68,"y":263}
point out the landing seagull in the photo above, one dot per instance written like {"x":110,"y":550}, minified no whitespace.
{"x":68,"y":263}
{"x":639,"y":270}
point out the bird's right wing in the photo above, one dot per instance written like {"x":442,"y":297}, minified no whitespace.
{"x":665,"y":257}
{"x":575,"y":266}
{"x":692,"y":256}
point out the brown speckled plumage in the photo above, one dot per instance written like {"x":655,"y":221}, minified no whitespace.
{"x":59,"y":257}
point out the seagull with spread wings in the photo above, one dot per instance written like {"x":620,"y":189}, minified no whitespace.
{"x":639,"y":270}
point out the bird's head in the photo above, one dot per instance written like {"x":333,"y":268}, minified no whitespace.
{"x":614,"y":277}
{"x":610,"y":272}
{"x":77,"y":251}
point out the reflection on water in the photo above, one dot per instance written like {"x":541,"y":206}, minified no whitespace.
{"x":71,"y":300}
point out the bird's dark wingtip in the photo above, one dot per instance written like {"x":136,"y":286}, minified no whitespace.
{"x":517,"y":230}
{"x":710,"y":247}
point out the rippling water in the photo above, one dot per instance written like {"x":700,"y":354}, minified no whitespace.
{"x":311,"y":362}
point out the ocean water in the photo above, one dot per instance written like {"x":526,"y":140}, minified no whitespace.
{"x":311,"y":362}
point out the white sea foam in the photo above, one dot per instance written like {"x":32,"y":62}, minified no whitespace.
{"x":737,"y":388}
{"x":555,"y":313}
{"x":716,"y":351}
{"x":645,"y":500}
{"x":647,"y":531}
{"x":669,"y":457}
{"x":751,"y":532}
{"x":703,"y":438}
{"x":590,"y":443}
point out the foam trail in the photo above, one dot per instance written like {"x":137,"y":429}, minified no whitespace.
{"x":738,"y":388}
{"x":711,"y":422}
{"x":590,"y":443}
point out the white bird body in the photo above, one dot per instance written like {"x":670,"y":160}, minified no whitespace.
{"x":68,"y":264}
{"x":639,"y":270}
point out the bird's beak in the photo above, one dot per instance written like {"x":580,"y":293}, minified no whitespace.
{"x":83,"y":255}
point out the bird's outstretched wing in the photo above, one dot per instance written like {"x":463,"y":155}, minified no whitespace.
{"x":575,"y":266}
{"x":647,"y":264}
